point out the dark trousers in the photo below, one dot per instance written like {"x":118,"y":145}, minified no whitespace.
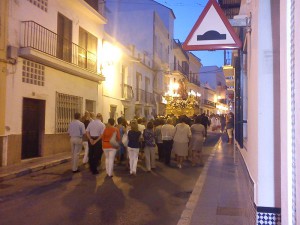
{"x":95,"y":154}
{"x":160,"y":149}
{"x":167,"y":145}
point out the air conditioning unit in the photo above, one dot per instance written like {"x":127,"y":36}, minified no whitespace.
{"x":12,"y":52}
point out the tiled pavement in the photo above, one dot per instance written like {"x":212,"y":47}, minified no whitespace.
{"x":218,"y":197}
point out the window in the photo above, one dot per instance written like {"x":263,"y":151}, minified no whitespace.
{"x":90,"y":105}
{"x":66,"y":107}
{"x":113,"y":110}
{"x":64,"y":38}
{"x":87,"y":52}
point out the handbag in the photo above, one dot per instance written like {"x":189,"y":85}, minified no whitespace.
{"x":113,"y":140}
{"x":125,"y":139}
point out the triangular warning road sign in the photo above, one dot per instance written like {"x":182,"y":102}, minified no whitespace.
{"x":212,"y":31}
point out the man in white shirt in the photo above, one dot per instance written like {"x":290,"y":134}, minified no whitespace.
{"x":94,"y":133}
{"x":167,"y":134}
{"x":76,"y":131}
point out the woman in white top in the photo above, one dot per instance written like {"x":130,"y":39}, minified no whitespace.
{"x":181,"y":140}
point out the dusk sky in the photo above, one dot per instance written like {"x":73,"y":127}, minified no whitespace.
{"x":187,"y":13}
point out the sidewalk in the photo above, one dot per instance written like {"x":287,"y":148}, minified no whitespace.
{"x":32,"y":165}
{"x":218,"y":197}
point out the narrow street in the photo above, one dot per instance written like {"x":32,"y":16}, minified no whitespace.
{"x":56,"y":196}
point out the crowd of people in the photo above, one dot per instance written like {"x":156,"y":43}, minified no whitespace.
{"x":127,"y":141}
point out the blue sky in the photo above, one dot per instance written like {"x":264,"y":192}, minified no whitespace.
{"x":187,"y":12}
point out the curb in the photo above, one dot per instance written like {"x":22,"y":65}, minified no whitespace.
{"x":31,"y":169}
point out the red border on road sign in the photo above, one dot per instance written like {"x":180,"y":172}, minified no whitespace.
{"x":230,"y":29}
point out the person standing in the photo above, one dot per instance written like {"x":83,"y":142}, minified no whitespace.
{"x":150,"y":146}
{"x":230,"y":126}
{"x":167,"y":134}
{"x":134,"y":138}
{"x":223,"y":122}
{"x":181,"y":140}
{"x":158,"y":138}
{"x":109,"y":150}
{"x":205,"y":122}
{"x":76,"y":131}
{"x":86,"y":119}
{"x":94,"y":133}
{"x":122,"y":129}
{"x":196,"y":143}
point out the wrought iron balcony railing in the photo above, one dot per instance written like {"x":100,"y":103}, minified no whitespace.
{"x":209,"y":103}
{"x":140,"y":95}
{"x":127,"y":92}
{"x":149,"y":98}
{"x":42,"y":39}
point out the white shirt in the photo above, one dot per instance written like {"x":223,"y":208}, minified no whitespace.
{"x":167,"y":132}
{"x":141,"y":127}
{"x":95,"y":128}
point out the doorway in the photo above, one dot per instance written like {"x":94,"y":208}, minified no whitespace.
{"x":33,"y":126}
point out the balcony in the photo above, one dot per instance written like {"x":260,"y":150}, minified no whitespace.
{"x":158,"y":98}
{"x":180,"y":69}
{"x":208,"y":103}
{"x":149,"y":98}
{"x":127,"y":92}
{"x":140,"y":96}
{"x":46,"y":47}
{"x":230,"y":7}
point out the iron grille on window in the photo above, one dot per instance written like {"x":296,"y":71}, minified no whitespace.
{"x":66,"y":107}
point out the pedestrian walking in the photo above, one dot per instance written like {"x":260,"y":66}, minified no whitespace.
{"x":158,"y":138}
{"x":181,"y":140}
{"x":94,"y":133}
{"x":121,"y":126}
{"x":150,"y":146}
{"x":230,"y":126}
{"x":86,"y":119}
{"x":167,"y":135}
{"x":205,"y":122}
{"x":76,"y":130}
{"x":223,"y":122}
{"x":134,"y":138}
{"x":108,"y":149}
{"x":196,"y":143}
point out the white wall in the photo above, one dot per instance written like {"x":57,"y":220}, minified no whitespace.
{"x":261,"y":152}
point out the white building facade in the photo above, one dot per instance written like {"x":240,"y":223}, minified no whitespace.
{"x":50,"y":58}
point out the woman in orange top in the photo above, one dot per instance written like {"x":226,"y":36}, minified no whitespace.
{"x":109,"y":150}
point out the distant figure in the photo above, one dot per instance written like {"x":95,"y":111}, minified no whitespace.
{"x":205,"y":122}
{"x":223,"y":122}
{"x":150,"y":146}
{"x":76,"y":131}
{"x":196,"y":143}
{"x":158,"y":138}
{"x":121,"y":126}
{"x":230,"y":126}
